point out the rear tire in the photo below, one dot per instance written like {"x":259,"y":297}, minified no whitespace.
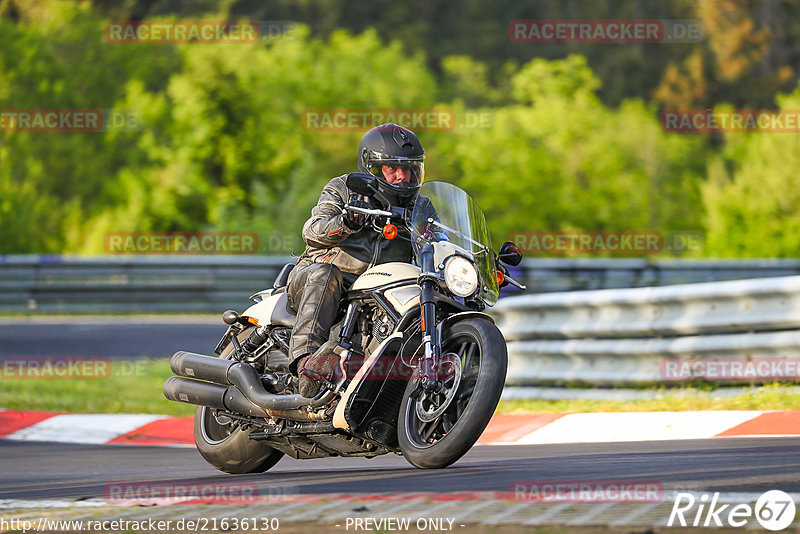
{"x":456,"y":430}
{"x":228,"y":447}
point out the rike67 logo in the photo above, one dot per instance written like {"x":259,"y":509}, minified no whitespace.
{"x":774,"y":510}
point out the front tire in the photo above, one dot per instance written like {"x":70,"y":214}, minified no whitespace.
{"x":441,"y":441}
{"x":226,"y":446}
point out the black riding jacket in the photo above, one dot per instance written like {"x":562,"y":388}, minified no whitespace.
{"x":328,"y":240}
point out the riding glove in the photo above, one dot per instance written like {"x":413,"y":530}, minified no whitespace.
{"x":353,"y":220}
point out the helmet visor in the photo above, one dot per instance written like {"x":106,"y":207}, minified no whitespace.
{"x":410,"y":170}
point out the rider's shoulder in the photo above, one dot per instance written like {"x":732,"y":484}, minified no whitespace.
{"x":337,"y":184}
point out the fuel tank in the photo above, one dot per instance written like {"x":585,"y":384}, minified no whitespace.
{"x":386,"y":273}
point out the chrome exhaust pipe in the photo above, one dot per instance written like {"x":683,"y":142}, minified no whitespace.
{"x":245,"y":380}
{"x":200,"y":367}
{"x":229,"y":399}
{"x":211,"y":395}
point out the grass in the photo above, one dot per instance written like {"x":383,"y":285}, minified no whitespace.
{"x":135,"y":387}
{"x":768,"y":397}
{"x":130,"y":387}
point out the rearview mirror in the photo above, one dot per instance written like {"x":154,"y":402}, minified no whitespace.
{"x":510,"y":253}
{"x":361,"y":183}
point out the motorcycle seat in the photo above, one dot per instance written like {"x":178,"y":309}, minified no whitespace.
{"x":282,"y":314}
{"x":282,"y":280}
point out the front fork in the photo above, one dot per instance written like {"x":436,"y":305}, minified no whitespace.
{"x":429,"y":363}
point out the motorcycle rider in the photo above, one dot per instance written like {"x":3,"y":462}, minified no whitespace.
{"x":342,"y":244}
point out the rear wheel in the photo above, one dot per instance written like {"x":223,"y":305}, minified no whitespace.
{"x":223,"y":443}
{"x":436,"y":429}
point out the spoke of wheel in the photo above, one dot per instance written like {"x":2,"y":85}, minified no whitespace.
{"x":447,"y":424}
{"x":431,"y":428}
{"x":470,"y":353}
{"x":421,"y":427}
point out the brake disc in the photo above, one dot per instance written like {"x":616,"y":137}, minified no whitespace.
{"x":447,"y":395}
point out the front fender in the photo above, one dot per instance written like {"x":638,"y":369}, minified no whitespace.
{"x":457,"y":317}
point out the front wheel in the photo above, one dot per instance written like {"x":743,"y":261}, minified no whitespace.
{"x":436,"y":429}
{"x":226,"y":446}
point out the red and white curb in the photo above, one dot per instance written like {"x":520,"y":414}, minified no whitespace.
{"x":504,"y":429}
{"x":131,"y":429}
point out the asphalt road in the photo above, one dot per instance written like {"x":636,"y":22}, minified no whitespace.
{"x":66,"y":471}
{"x":112,"y":337}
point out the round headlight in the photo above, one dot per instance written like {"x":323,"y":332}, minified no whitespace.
{"x":461,"y":276}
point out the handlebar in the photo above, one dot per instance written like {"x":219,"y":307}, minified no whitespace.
{"x":366,"y":211}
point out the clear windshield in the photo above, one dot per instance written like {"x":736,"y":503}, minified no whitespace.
{"x":444,"y":212}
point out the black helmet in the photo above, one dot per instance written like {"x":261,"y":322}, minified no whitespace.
{"x":390,"y":144}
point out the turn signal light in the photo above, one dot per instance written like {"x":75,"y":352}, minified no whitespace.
{"x":390,"y":231}
{"x":500,"y":277}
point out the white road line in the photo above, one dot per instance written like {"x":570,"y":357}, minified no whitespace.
{"x":434,"y":509}
{"x":591,"y":513}
{"x":402,"y":506}
{"x":633,"y":514}
{"x":509,"y":511}
{"x":473,"y":509}
{"x":547,"y":514}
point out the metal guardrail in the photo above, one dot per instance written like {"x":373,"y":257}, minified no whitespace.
{"x":597,"y":337}
{"x":132,"y":284}
{"x":191,"y":283}
{"x":631,"y":336}
{"x":543,"y":275}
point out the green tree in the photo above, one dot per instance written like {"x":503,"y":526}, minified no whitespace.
{"x":560,"y":159}
{"x":57,"y":59}
{"x":226,"y":145}
{"x":752,"y":196}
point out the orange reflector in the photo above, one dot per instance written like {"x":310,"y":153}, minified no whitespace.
{"x":500,"y":277}
{"x":390,"y":231}
{"x":253,"y":320}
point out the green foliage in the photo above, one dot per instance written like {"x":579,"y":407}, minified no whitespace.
{"x":48,"y":179}
{"x":752,"y":195}
{"x":562,"y":160}
{"x":226,"y":147}
{"x":223,"y":145}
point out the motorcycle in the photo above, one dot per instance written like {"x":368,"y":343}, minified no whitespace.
{"x":421,"y":366}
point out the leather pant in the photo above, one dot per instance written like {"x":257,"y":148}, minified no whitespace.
{"x":314,"y":291}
